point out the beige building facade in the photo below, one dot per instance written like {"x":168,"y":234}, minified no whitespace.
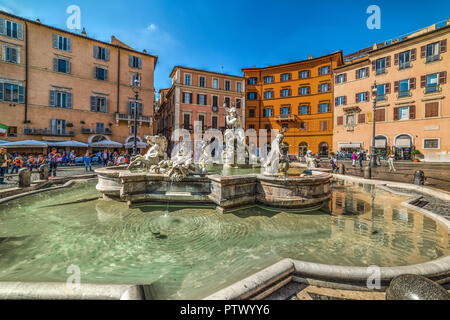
{"x":412,"y":102}
{"x":57,"y":86}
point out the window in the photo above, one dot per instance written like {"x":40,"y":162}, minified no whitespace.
{"x":251,"y":113}
{"x":268,"y":79}
{"x":135,"y":62}
{"x":303,"y":109}
{"x":251,"y":126}
{"x":133,"y":128}
{"x":62,"y":43}
{"x":11,"y":54}
{"x":380,"y":66}
{"x":340,"y":78}
{"x":201,"y":82}
{"x":12,"y":92}
{"x":132,"y":105}
{"x":227,"y":85}
{"x":431,"y":143}
{"x":285,"y":110}
{"x":340,"y":120}
{"x":101,"y":53}
{"x":12,"y":132}
{"x":350,"y":120}
{"x":98,"y":104}
{"x":252,"y":81}
{"x":100,"y":127}
{"x":303,"y":91}
{"x":11,"y":29}
{"x":305,"y":74}
{"x":403,"y":113}
{"x":215,"y":83}
{"x":432,"y":84}
{"x":404,"y":60}
{"x":403,"y":88}
{"x":324,"y":107}
{"x":187,"y":79}
{"x":238,"y":103}
{"x":285,"y":92}
{"x":362,"y":73}
{"x":201,"y":119}
{"x":323,"y":125}
{"x":362,"y":118}
{"x":381,"y":92}
{"x":226,"y":100}
{"x":215,"y":102}
{"x":238,"y":87}
{"x":362,"y":96}
{"x":432,"y":52}
{"x":431,"y":109}
{"x":340,"y":101}
{"x":303,"y":126}
{"x":268,"y":127}
{"x":268,"y":94}
{"x":201,"y":99}
{"x":214,"y":122}
{"x":60,"y":99}
{"x":285,"y":77}
{"x":187,"y":98}
{"x":101,"y":74}
{"x":324,"y":87}
{"x":268,"y":112}
{"x":324,"y":70}
{"x":61,"y":65}
{"x":58,"y":126}
{"x":380,"y":115}
{"x":187,"y":121}
{"x":284,"y":127}
{"x":251,"y":95}
{"x":134,"y":77}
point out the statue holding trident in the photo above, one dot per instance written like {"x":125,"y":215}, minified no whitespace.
{"x":233,"y":133}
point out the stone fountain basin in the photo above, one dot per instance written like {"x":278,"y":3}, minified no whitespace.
{"x":227,"y":192}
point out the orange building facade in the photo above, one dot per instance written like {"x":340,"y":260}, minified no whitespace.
{"x":296,"y":98}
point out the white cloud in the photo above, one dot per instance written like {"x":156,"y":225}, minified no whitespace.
{"x":152,"y":27}
{"x":6,"y":9}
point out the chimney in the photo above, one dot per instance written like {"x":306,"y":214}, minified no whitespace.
{"x":38,"y":20}
{"x":310,"y":57}
{"x":84,"y":32}
{"x":254,"y":66}
{"x":144,"y":51}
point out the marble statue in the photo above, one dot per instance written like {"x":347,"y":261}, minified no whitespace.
{"x":271,"y":166}
{"x":181,"y":165}
{"x":205,"y":158}
{"x":233,"y":133}
{"x":311,"y":161}
{"x":155,"y":154}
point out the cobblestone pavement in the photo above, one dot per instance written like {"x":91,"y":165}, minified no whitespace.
{"x":66,"y":171}
{"x":437,"y":174}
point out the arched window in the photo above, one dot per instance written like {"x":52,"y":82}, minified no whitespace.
{"x":98,"y":138}
{"x":323,"y":149}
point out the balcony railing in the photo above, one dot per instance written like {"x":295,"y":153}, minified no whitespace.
{"x":47,"y":132}
{"x":404,"y":93}
{"x":404,"y":65}
{"x":433,"y":58}
{"x":381,"y":71}
{"x":87,"y":130}
{"x":286,"y":117}
{"x":431,"y":88}
{"x":130,"y":117}
{"x":381,"y":97}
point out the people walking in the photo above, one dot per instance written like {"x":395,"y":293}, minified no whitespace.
{"x":53,"y":160}
{"x":354,"y":159}
{"x":334,"y":164}
{"x":5,"y":159}
{"x":360,"y":159}
{"x":391,"y":159}
{"x":87,"y":161}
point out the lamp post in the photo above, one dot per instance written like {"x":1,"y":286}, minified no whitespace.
{"x":136,"y":88}
{"x":373,"y":159}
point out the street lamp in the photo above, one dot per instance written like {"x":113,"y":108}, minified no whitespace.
{"x":373,"y":159}
{"x":136,"y":88}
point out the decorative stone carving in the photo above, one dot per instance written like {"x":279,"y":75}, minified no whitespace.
{"x":205,"y":158}
{"x":24,"y":178}
{"x":272,"y":164}
{"x":311,"y":162}
{"x":43,"y":172}
{"x":234,"y":136}
{"x":155,"y":154}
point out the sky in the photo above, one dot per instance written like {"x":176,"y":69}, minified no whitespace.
{"x":226,"y":36}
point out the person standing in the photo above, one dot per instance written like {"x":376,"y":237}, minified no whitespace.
{"x":391,"y":159}
{"x":105,"y":157}
{"x":87,"y":161}
{"x":53,"y":160}
{"x":5,"y":158}
{"x":354,"y":159}
{"x":360,"y":159}
{"x":334,"y":164}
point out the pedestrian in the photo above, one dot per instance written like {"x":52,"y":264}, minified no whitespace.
{"x":53,"y":160}
{"x":105,"y":157}
{"x":87,"y":161}
{"x":17,"y":164}
{"x":354,"y":159}
{"x":334,"y":164}
{"x":5,"y":159}
{"x":391,"y":159}
{"x":360,"y":159}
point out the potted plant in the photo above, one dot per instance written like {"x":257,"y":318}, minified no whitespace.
{"x":416,"y":153}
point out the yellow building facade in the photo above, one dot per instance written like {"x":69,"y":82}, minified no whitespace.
{"x":295,"y":98}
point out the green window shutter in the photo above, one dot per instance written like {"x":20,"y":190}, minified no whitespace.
{"x":105,"y":108}
{"x":106,"y":54}
{"x":93,"y":103}
{"x":2,"y":26}
{"x":68,"y":66}
{"x":96,"y":50}
{"x":1,"y":91}
{"x":52,"y":101}
{"x":69,"y":44}
{"x":130,"y":60}
{"x":19,"y":31}
{"x":55,"y":64}
{"x":21,"y":94}
{"x":55,"y":41}
{"x":69,"y":100}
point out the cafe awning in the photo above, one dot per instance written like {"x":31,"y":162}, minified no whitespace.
{"x":140,"y":145}
{"x":106,"y":144}
{"x":403,"y":143}
{"x":25,"y":144}
{"x":380,"y":143}
{"x":350,"y":145}
{"x":68,"y":143}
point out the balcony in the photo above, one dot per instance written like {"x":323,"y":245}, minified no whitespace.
{"x":130,"y":119}
{"x":432,"y":58}
{"x":404,"y":93}
{"x":404,"y":65}
{"x":381,"y":97}
{"x":47,"y":132}
{"x":380,"y":71}
{"x":87,"y":130}
{"x":286,"y":117}
{"x":430,"y":88}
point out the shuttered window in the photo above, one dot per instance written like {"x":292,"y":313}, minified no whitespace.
{"x":11,"y":29}
{"x":340,"y":120}
{"x":431,"y":109}
{"x":99,"y":104}
{"x":11,"y":54}
{"x":12,"y":92}
{"x":62,"y":43}
{"x":380,"y":115}
{"x":101,"y":74}
{"x":61,"y":99}
{"x":362,"y":118}
{"x":101,"y":53}
{"x":135,"y":62}
{"x":61,"y":65}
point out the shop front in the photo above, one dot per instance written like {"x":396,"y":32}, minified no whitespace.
{"x":403,"y":147}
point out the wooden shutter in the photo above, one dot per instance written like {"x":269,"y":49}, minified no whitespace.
{"x":2,"y":26}
{"x":336,"y":101}
{"x":1,"y":88}
{"x":335,"y":79}
{"x":55,"y":64}
{"x":345,"y":100}
{"x":367,"y":71}
{"x":106,"y":54}
{"x":443,"y":46}
{"x":182,"y":97}
{"x":396,"y":59}
{"x":367,"y":96}
{"x":20,"y":31}
{"x":130,"y":60}
{"x":396,"y":113}
{"x":431,"y":109}
{"x":413,"y":54}
{"x":69,"y":44}
{"x":290,"y":92}
{"x":396,"y":86}
{"x":412,"y":112}
{"x":94,"y":104}
{"x":361,"y":118}
{"x":423,"y":81}
{"x":69,"y":100}
{"x":55,"y":41}
{"x":340,"y":120}
{"x":96,"y":72}
{"x":423,"y":51}
{"x":388,"y":61}
{"x":21,"y":94}
{"x":198,"y":98}
{"x":52,"y":101}
{"x":388,"y":88}
{"x":68,"y":66}
{"x":345,"y":77}
{"x":281,"y":92}
{"x":443,"y":77}
{"x":308,"y":90}
{"x":105,"y":107}
{"x":374,"y":65}
{"x":356,"y":74}
{"x":320,"y":71}
{"x":309,"y":73}
{"x":106,"y":74}
{"x":412,"y":83}
{"x":140,"y":63}
{"x":96,"y":52}
{"x":357,"y":97}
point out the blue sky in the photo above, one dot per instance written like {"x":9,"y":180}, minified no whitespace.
{"x":226,"y":36}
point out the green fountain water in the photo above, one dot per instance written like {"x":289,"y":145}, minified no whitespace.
{"x":195,"y":251}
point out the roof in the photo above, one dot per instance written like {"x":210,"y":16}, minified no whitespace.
{"x":79,"y":35}
{"x":295,"y":62}
{"x":205,"y":71}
